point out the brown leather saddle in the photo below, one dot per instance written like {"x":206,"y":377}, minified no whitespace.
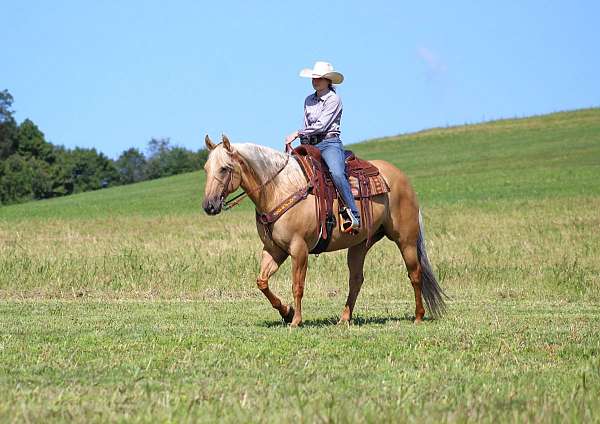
{"x":365,"y":182}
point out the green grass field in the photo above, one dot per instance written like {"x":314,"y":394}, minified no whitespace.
{"x":129,"y":304}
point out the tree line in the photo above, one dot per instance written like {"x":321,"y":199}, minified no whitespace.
{"x":32,"y":168}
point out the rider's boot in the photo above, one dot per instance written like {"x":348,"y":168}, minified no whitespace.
{"x":349,"y":222}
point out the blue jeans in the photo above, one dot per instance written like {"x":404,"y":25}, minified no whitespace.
{"x":332,"y":152}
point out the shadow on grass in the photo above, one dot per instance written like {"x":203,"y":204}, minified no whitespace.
{"x":332,"y":321}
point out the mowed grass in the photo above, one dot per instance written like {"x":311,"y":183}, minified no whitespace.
{"x":129,"y":304}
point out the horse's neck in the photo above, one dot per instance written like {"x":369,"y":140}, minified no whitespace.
{"x":271,"y":176}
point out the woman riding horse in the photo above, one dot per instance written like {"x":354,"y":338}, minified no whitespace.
{"x":269,"y":177}
{"x":322,"y":117}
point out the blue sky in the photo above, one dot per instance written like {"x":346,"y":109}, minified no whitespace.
{"x":112,"y":74}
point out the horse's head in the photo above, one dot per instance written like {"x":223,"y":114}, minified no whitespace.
{"x":223,"y":174}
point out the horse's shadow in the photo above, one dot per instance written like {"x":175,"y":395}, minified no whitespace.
{"x":333,"y":321}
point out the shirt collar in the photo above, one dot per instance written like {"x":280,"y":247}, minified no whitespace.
{"x":324,"y":96}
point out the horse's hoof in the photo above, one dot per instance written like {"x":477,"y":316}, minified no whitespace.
{"x":345,"y":322}
{"x":296,"y":324}
{"x":418,"y":321}
{"x":287,"y":318}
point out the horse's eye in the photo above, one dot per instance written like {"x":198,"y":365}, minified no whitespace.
{"x":223,"y":169}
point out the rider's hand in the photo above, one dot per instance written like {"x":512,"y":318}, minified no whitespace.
{"x":291,"y":137}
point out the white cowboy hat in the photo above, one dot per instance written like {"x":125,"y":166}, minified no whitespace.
{"x":323,"y":70}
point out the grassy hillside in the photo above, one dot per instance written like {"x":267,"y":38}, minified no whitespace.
{"x":130,"y":304}
{"x":552,"y":156}
{"x":555,"y":155}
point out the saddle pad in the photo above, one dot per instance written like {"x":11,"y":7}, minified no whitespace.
{"x":377,"y":185}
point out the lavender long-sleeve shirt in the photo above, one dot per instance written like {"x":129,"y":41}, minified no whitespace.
{"x":322,"y":115}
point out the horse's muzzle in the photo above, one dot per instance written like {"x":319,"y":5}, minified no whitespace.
{"x":212,"y":206}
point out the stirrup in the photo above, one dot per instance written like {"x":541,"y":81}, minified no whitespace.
{"x":348,"y":222}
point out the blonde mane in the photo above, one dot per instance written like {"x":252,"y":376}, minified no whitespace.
{"x":266,"y":162}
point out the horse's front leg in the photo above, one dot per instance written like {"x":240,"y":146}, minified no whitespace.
{"x":269,"y":264}
{"x":299,"y":255}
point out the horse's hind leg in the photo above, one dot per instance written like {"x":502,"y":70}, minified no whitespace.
{"x":411,"y":259}
{"x":402,"y":228}
{"x":268,"y":266}
{"x":356,"y":261}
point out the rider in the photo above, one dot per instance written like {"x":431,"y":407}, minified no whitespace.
{"x":322,"y":116}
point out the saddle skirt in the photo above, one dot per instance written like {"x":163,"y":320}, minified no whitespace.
{"x":377,"y":185}
{"x":365,"y":182}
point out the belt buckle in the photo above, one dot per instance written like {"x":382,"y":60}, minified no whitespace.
{"x":311,"y":139}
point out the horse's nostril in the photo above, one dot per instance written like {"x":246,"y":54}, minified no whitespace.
{"x":210,"y":208}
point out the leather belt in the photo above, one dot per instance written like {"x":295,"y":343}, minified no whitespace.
{"x":317,"y":138}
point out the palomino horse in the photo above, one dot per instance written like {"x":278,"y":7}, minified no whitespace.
{"x":269,"y":177}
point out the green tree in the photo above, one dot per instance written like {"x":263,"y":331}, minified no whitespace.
{"x":179,"y":160}
{"x":24,"y":178}
{"x":131,"y":166}
{"x":158,"y":149}
{"x":201,"y":158}
{"x":165,"y":159}
{"x":62,"y":173}
{"x":31,"y":143}
{"x":8,"y":126}
{"x":86,"y":169}
{"x":33,"y":168}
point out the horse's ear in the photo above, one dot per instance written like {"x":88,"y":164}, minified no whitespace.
{"x":209,"y":144}
{"x":226,"y":143}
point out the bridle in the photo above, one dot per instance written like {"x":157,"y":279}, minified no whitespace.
{"x":226,"y":181}
{"x":236,"y":200}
